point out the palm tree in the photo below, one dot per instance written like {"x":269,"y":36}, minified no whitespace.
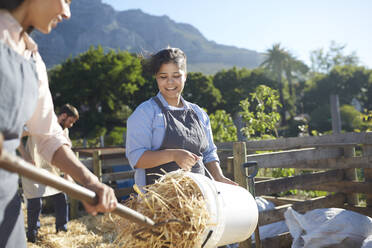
{"x":294,"y":68}
{"x":275,"y":63}
{"x":279,"y":62}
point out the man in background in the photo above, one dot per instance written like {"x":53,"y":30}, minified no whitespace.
{"x":34,"y":192}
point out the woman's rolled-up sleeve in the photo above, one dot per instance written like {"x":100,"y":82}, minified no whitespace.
{"x":210,"y":154}
{"x":139,"y":132}
{"x":43,"y":125}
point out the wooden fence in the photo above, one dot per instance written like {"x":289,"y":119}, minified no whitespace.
{"x":331,"y":162}
{"x":334,"y":158}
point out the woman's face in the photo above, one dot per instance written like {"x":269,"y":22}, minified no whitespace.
{"x":44,"y":15}
{"x":171,"y":80}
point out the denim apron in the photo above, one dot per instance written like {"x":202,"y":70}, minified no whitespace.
{"x":18,"y":97}
{"x":182,"y":131}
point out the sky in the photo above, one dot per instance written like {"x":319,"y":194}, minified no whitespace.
{"x":299,"y":26}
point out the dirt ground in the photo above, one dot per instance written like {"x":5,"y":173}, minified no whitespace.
{"x":84,"y":232}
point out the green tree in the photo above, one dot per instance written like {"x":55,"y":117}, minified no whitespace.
{"x":149,"y":88}
{"x":352,"y":119}
{"x":260,"y":113}
{"x":223,"y":127}
{"x":348,"y":82}
{"x":101,"y":85}
{"x":294,"y":70}
{"x":228,"y":82}
{"x":320,"y":119}
{"x":199,"y":89}
{"x":366,"y":96}
{"x":274,"y":63}
{"x":115,"y":137}
{"x":279,"y":63}
{"x":323,"y":61}
{"x":236,"y":84}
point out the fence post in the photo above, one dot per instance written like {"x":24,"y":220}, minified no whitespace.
{"x":351,"y":175}
{"x":240,"y":157}
{"x":367,"y":151}
{"x":74,"y":203}
{"x":97,"y":164}
{"x":102,"y":141}
{"x":335,"y":113}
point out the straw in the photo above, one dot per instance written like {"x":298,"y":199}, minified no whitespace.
{"x":174,"y":197}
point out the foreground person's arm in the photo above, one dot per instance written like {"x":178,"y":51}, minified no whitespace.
{"x":65,"y":159}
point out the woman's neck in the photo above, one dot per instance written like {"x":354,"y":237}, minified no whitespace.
{"x":175,"y":102}
{"x":178,"y":104}
{"x":20,"y":14}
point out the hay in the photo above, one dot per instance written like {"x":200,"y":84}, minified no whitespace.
{"x":175,"y":196}
{"x":85,"y":232}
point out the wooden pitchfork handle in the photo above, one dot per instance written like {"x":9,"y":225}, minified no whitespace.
{"x":15,"y":164}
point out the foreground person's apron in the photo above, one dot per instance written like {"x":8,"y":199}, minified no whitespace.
{"x":18,"y":96}
{"x":183,"y":131}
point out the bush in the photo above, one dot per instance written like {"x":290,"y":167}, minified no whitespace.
{"x":351,"y":118}
{"x":115,"y":137}
{"x":320,"y":119}
{"x":223,"y":127}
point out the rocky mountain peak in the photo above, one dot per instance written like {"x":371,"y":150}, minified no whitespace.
{"x":95,"y":23}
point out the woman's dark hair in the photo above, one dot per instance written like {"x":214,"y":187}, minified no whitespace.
{"x":10,"y":4}
{"x":166,"y":56}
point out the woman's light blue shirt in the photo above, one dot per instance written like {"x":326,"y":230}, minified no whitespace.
{"x":146,"y":130}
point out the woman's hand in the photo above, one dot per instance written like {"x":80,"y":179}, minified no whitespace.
{"x":224,"y":179}
{"x":185,"y":159}
{"x":107,"y":201}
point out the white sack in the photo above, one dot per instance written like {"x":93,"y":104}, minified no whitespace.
{"x":328,"y":227}
{"x":263,"y":204}
{"x":367,"y":243}
{"x":273,"y":229}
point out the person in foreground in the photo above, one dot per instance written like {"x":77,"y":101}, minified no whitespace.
{"x":34,"y":191}
{"x":25,"y":99}
{"x":167,"y":132}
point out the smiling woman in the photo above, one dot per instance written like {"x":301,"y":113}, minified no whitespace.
{"x":166,"y":132}
{"x":171,"y":77}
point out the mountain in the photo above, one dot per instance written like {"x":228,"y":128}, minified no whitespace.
{"x":94,"y":23}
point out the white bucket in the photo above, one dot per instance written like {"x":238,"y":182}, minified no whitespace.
{"x":233,"y":212}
